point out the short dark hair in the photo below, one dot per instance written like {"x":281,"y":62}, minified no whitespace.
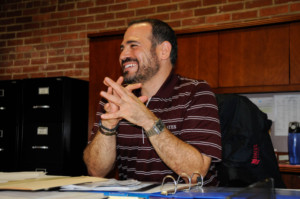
{"x":161,"y":32}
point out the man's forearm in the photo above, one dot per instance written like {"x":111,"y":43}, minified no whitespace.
{"x":100,"y":155}
{"x":180,"y":156}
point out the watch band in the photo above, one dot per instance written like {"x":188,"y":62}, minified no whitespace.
{"x":156,"y":129}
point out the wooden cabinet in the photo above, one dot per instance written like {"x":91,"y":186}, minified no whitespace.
{"x":198,"y":57}
{"x":256,"y":56}
{"x":295,"y":52}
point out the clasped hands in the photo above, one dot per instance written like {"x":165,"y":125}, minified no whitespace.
{"x":122,"y":103}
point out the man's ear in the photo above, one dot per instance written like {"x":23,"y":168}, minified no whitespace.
{"x":165,"y":50}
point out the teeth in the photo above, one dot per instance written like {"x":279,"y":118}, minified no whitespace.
{"x":129,"y":65}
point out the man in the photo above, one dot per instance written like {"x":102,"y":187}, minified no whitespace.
{"x":160,"y":123}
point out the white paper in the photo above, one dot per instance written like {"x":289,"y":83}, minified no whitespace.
{"x":287,"y":109}
{"x":12,"y":176}
{"x":265,"y":104}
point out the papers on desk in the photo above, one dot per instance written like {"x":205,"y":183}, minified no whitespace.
{"x":109,"y":185}
{"x":46,"y":182}
{"x":12,"y":176}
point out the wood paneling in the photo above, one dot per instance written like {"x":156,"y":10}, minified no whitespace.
{"x":256,"y":56}
{"x":295,"y":53}
{"x":104,"y":62}
{"x":198,"y":57}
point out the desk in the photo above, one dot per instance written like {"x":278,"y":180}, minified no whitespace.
{"x":290,"y":175}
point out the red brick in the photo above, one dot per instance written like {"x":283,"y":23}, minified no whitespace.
{"x":125,"y":14}
{"x":31,"y":26}
{"x":55,"y":74}
{"x":36,"y":75}
{"x":58,"y":45}
{"x":157,"y":2}
{"x":244,"y":15}
{"x":48,"y":24}
{"x":14,"y":28}
{"x":7,"y":21}
{"x":24,"y":34}
{"x":7,"y":36}
{"x":193,"y":22}
{"x":14,"y":42}
{"x":6,"y":64}
{"x":211,"y":2}
{"x":274,"y":10}
{"x":138,"y":4}
{"x":295,"y":7}
{"x":117,"y":7}
{"x":53,"y":38}
{"x":74,"y":58}
{"x":14,"y":13}
{"x":258,"y":3}
{"x":117,"y":23}
{"x":218,"y":18}
{"x":52,"y":60}
{"x":85,"y":4}
{"x":70,"y":36}
{"x":189,"y":5}
{"x":40,"y":32}
{"x":21,"y":62}
{"x":59,"y":15}
{"x":182,"y":14}
{"x":48,"y":67}
{"x":96,"y":26}
{"x":47,"y":9}
{"x":105,"y":16}
{"x":76,"y":28}
{"x":76,"y":13}
{"x":41,"y":17}
{"x":30,"y":69}
{"x":39,"y":61}
{"x":23,"y":48}
{"x":73,"y":43}
{"x":33,"y":40}
{"x":96,"y":10}
{"x":64,"y":66}
{"x":65,"y":22}
{"x":82,"y":65}
{"x":61,"y":29}
{"x":30,"y":11}
{"x":163,"y":17}
{"x":231,"y":7}
{"x":145,"y":11}
{"x":24,"y":20}
{"x":105,"y":2}
{"x":85,"y":19}
{"x":20,"y":76}
{"x":205,"y":11}
{"x":167,"y":8}
{"x":14,"y":70}
{"x":69,"y":6}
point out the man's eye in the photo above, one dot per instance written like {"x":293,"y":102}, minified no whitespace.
{"x":133,"y":45}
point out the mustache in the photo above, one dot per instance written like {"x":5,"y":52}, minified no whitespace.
{"x":128,"y":59}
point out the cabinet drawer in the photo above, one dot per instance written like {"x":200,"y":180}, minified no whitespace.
{"x":43,"y":100}
{"x":43,"y":141}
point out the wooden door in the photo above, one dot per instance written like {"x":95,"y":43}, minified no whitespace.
{"x":295,"y":53}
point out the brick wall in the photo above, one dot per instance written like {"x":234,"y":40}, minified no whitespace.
{"x":43,"y":38}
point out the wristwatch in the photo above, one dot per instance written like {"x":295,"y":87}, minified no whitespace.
{"x":156,"y":129}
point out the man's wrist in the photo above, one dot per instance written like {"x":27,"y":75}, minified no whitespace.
{"x":156,"y":128}
{"x":108,"y":131}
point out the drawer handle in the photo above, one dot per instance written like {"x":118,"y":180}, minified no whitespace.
{"x":40,"y":106}
{"x":1,"y":149}
{"x":40,"y":147}
{"x":2,"y":108}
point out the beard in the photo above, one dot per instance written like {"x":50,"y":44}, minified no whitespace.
{"x":144,"y":72}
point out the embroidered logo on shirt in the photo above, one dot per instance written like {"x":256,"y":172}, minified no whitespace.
{"x":172,"y":127}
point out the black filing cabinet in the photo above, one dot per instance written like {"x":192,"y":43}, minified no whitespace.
{"x":54,"y":125}
{"x":10,"y":125}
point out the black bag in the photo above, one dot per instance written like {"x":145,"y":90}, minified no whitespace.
{"x":247,"y":152}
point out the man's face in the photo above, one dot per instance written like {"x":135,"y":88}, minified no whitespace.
{"x":138,"y":59}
